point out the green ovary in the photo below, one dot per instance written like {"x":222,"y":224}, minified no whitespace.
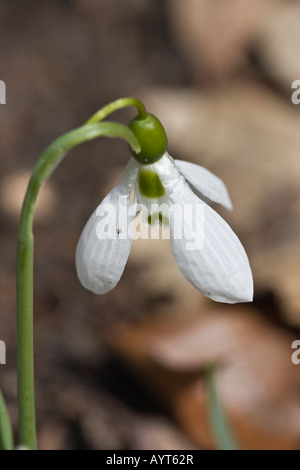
{"x":150,"y":185}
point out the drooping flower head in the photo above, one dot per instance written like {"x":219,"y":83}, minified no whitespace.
{"x":175,"y":194}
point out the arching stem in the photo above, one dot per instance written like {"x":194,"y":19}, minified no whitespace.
{"x":119,"y":104}
{"x":43,"y":169}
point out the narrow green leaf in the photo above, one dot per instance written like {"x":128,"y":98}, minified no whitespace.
{"x":221,"y":429}
{"x":6,"y":435}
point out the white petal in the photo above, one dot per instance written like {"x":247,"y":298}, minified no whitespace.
{"x":205,"y":183}
{"x":105,"y":242}
{"x":218,"y":266}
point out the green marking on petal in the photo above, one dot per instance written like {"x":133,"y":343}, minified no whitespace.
{"x":150,"y":185}
{"x":153,"y":218}
{"x":164,"y":221}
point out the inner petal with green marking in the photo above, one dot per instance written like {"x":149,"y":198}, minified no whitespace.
{"x":149,"y":184}
{"x":151,"y":195}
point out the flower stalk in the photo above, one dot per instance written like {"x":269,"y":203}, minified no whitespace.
{"x":45,"y":166}
{"x":118,"y":104}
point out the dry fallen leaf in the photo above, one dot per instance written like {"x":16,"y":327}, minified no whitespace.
{"x":215,"y":36}
{"x":258,"y":384}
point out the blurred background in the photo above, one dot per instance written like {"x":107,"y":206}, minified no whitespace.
{"x":126,"y":370}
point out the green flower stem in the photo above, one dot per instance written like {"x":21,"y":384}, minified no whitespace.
{"x":43,"y":169}
{"x":119,"y":104}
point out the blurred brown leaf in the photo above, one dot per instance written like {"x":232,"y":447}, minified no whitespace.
{"x":277,"y":45}
{"x":214,"y":37}
{"x":256,"y":379}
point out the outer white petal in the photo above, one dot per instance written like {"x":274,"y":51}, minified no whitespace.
{"x":205,"y":183}
{"x":220,"y":268}
{"x":100,"y":256}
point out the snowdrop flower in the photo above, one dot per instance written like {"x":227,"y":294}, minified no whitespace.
{"x":218,"y":265}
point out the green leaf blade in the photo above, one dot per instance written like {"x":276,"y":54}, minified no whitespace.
{"x":6,"y":434}
{"x":221,"y":429}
